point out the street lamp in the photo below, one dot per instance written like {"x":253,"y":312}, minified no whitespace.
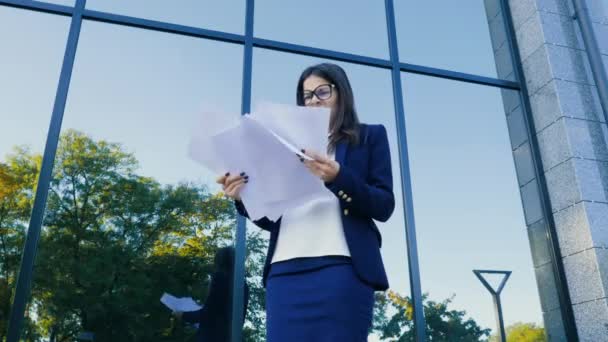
{"x":496,"y":296}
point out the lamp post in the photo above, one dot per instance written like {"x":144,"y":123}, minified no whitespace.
{"x":496,"y":297}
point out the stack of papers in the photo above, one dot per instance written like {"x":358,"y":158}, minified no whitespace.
{"x":264,"y":144}
{"x":179,"y":304}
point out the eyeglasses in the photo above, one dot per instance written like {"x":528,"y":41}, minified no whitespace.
{"x":322,"y":92}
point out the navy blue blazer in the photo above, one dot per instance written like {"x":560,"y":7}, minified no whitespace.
{"x":364,"y":187}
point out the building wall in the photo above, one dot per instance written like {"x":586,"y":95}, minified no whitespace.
{"x":572,"y":136}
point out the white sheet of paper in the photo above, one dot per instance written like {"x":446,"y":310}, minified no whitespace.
{"x":179,"y":304}
{"x":275,"y":173}
{"x":201,"y":147}
{"x":290,"y":146}
{"x":264,"y":145}
{"x":302,"y":127}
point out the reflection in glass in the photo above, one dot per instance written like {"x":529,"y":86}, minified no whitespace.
{"x":129,"y":215}
{"x":445,"y":34}
{"x":226,"y":15}
{"x":30,"y":64}
{"x":466,"y":200}
{"x":598,"y":12}
{"x":333,"y":25}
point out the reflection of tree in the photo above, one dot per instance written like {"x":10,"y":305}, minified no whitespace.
{"x":523,"y":332}
{"x":255,"y":328}
{"x":114,"y":241}
{"x":18,"y":177}
{"x":442,"y":323}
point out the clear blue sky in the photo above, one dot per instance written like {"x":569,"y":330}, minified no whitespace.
{"x":145,"y":90}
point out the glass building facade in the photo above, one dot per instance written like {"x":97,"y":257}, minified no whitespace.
{"x":102,"y":211}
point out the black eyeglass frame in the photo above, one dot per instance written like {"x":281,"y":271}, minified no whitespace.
{"x":314,"y":93}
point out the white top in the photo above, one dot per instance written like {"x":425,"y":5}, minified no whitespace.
{"x":311,"y":230}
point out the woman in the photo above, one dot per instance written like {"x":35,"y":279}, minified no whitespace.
{"x":323,"y":262}
{"x":214,"y":318}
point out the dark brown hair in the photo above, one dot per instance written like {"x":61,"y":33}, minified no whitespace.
{"x":344,"y":125}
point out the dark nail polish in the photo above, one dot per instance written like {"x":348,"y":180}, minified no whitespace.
{"x":242,"y":173}
{"x":303,"y":151}
{"x":246,"y":177}
{"x":247,"y":181}
{"x":302,"y":160}
{"x":227,"y":174}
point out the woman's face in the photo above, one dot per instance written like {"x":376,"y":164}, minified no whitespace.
{"x":318,"y":92}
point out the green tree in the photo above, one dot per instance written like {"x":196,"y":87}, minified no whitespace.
{"x":442,"y":323}
{"x":114,"y":241}
{"x":523,"y":332}
{"x":254,"y":330}
{"x":18,"y":177}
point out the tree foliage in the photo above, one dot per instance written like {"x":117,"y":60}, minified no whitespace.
{"x":18,"y":178}
{"x":442,"y":323}
{"x":523,"y":332}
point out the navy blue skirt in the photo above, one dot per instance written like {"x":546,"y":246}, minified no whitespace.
{"x":324,"y":304}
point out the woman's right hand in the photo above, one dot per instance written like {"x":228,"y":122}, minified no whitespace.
{"x":232,"y":185}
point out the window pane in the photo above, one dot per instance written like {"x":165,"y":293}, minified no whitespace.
{"x":332,"y":25}
{"x":459,"y":36}
{"x":466,"y":200}
{"x":374,"y":102}
{"x":32,"y":48}
{"x":598,"y":11}
{"x":227,"y":15}
{"x":129,"y":215}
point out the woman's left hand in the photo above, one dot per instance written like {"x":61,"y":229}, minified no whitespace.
{"x":321,"y":166}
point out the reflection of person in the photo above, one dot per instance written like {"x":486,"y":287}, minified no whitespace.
{"x":214,"y":318}
{"x":324,"y":261}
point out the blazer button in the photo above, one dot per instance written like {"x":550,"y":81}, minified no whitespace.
{"x":349,"y":200}
{"x":345,"y":212}
{"x":340,"y":193}
{"x":344,"y":196}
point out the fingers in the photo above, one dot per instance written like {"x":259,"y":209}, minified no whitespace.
{"x":228,"y":179}
{"x":316,"y":165}
{"x":318,"y":169}
{"x":235,"y":189}
{"x":322,"y":167}
{"x":317,"y":156}
{"x":231,"y":186}
{"x":233,"y":178}
{"x":221,"y":179}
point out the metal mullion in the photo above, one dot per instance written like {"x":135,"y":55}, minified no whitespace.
{"x":241,"y":229}
{"x":161,"y":26}
{"x":38,"y":6}
{"x":406,"y":181}
{"x":459,"y":76}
